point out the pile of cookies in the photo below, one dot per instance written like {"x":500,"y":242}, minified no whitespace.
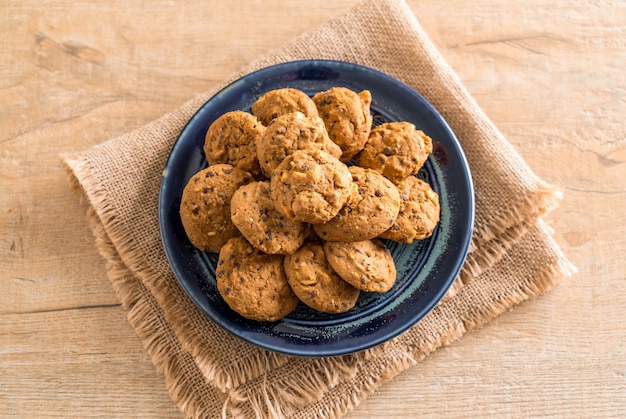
{"x":292,"y":220}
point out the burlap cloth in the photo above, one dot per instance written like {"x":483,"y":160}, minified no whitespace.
{"x":210,"y":373}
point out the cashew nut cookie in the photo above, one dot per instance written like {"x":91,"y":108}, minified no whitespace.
{"x":347,"y":117}
{"x":311,"y":186}
{"x":281,"y":102}
{"x":369,"y":213}
{"x":231,"y":139}
{"x":253,"y":283}
{"x":419,"y":212}
{"x":291,"y":132}
{"x":315,"y":283}
{"x":396,"y":149}
{"x":366,"y":265}
{"x":205,"y":206}
{"x":253,"y":213}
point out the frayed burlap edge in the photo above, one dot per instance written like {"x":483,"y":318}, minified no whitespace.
{"x":183,"y":380}
{"x":170,"y":300}
{"x":409,"y":348}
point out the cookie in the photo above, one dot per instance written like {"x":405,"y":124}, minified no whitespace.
{"x":419,"y":212}
{"x":205,"y":206}
{"x":231,"y":139}
{"x":395,"y":149}
{"x":311,"y":186}
{"x":369,"y":213}
{"x":253,"y":213}
{"x":366,"y":265}
{"x":289,"y":133}
{"x":347,"y":117}
{"x":253,"y":283}
{"x":315,"y":283}
{"x":281,"y":102}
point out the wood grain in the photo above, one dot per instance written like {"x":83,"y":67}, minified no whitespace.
{"x":73,"y":74}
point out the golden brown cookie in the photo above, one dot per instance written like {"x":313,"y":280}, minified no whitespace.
{"x":289,"y":133}
{"x":231,"y":139}
{"x":311,"y":186}
{"x":396,"y":149}
{"x":205,"y":206}
{"x":281,"y":102}
{"x":369,"y":213}
{"x":366,"y":265}
{"x":253,"y":213}
{"x":315,"y":283}
{"x":253,"y":283}
{"x":347,"y":117}
{"x":419,"y":212}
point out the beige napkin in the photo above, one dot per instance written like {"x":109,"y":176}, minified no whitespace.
{"x":210,"y":373}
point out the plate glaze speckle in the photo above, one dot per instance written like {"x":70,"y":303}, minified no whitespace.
{"x":426,"y":268}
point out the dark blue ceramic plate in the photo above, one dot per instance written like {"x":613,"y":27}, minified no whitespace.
{"x":425,"y":269}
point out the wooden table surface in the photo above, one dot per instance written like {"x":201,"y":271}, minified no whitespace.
{"x":76,"y":73}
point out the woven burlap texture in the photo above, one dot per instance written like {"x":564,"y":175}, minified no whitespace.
{"x":210,"y":373}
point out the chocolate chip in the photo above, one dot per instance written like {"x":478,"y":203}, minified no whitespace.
{"x":378,"y":193}
{"x":388,"y":152}
{"x":210,"y":173}
{"x":362,"y":190}
{"x":228,"y":171}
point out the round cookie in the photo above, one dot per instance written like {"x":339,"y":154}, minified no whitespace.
{"x":315,"y":283}
{"x":311,"y":186}
{"x":231,"y":139}
{"x":347,"y":117}
{"x":419,"y":212}
{"x":253,"y":283}
{"x":369,"y":213}
{"x":205,"y":206}
{"x":366,"y":265}
{"x":289,"y":133}
{"x":396,"y":149}
{"x":281,"y":102}
{"x":253,"y":213}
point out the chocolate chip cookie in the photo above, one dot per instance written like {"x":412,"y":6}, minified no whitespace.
{"x":347,"y":117}
{"x":311,"y":186}
{"x":205,"y":206}
{"x":315,"y":283}
{"x":366,"y":265}
{"x":289,"y":133}
{"x":369,"y":213}
{"x":253,"y":213}
{"x":395,"y":149}
{"x":253,"y":283}
{"x":231,"y":139}
{"x":281,"y":102}
{"x":419,"y":212}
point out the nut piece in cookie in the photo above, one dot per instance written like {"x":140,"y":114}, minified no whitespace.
{"x":253,"y":213}
{"x":311,"y":186}
{"x":205,"y":206}
{"x":315,"y":283}
{"x":369,"y":213}
{"x":281,"y":102}
{"x":419,"y":212}
{"x":289,"y":133}
{"x":253,"y":283}
{"x":396,"y":149}
{"x":347,"y":117}
{"x":366,"y":265}
{"x":232,"y":138}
